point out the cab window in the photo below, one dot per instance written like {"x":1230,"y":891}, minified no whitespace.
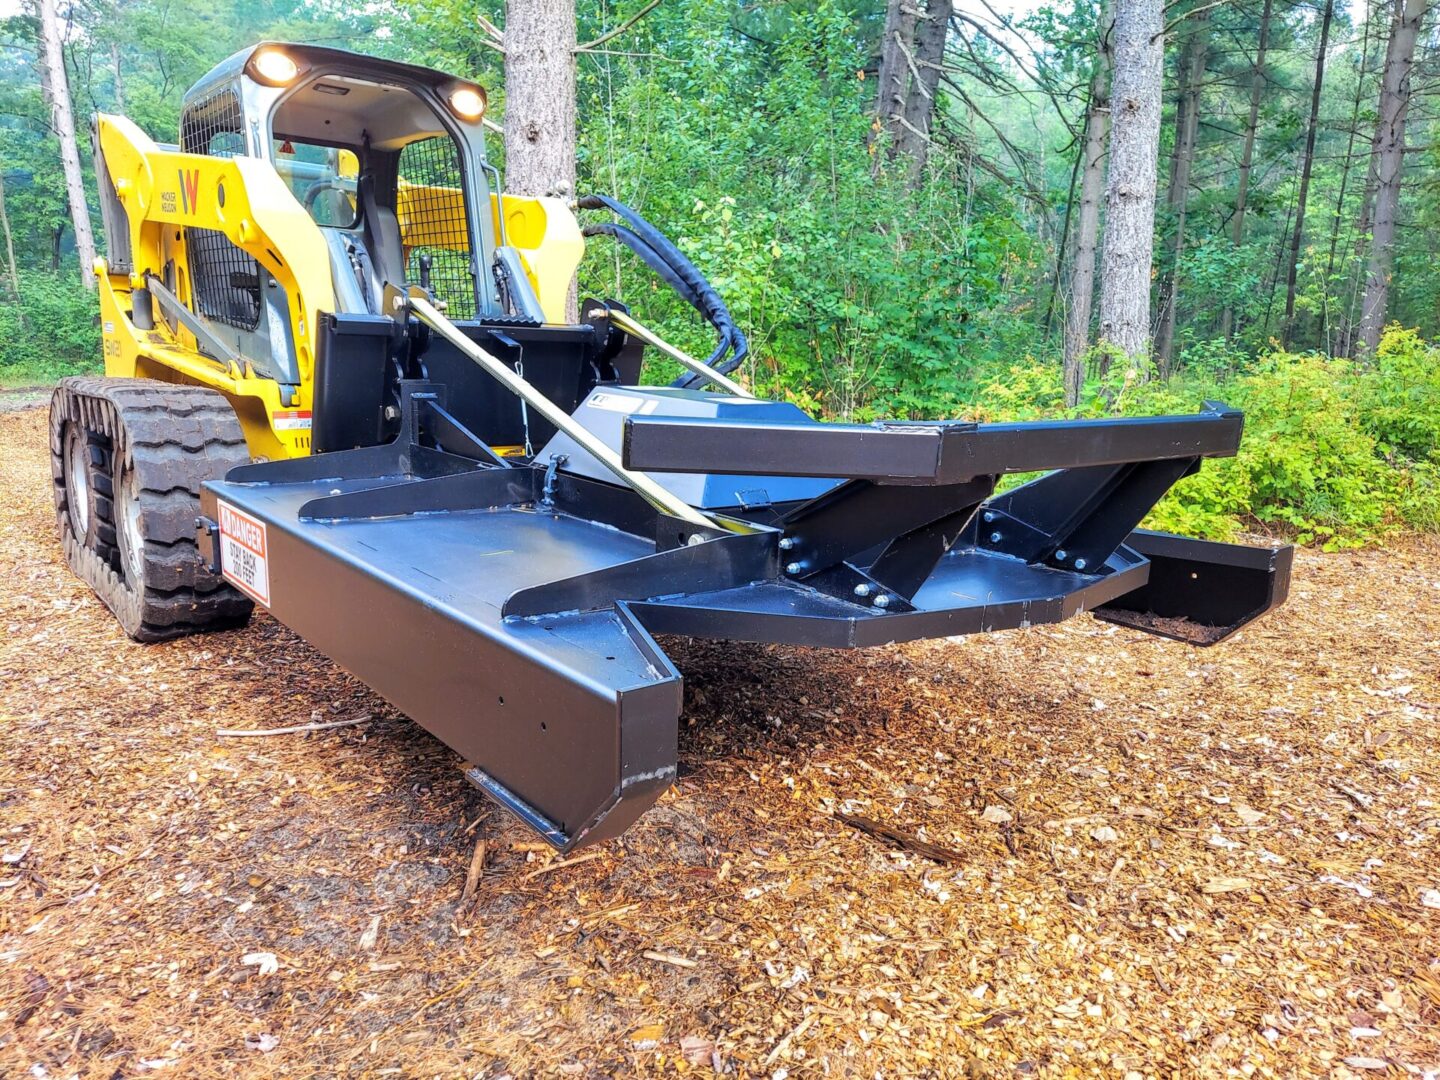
{"x":322,"y":178}
{"x":434,"y":223}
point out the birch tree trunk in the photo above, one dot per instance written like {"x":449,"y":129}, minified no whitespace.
{"x":1306,"y":165}
{"x":1187,"y":120}
{"x":1389,"y":162}
{"x":1092,"y":189}
{"x":1130,"y":185}
{"x":1247,"y":155}
{"x":540,"y":97}
{"x":11,"y":271}
{"x":63,"y":119}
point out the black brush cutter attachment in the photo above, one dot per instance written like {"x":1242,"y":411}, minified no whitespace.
{"x":507,"y":604}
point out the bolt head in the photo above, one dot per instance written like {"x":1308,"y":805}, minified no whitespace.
{"x":793,"y":568}
{"x":989,"y":516}
{"x":881,"y":601}
{"x":786,"y":543}
{"x":994,"y":538}
{"x":862,"y":589}
{"x":1080,"y":564}
{"x":1062,"y":555}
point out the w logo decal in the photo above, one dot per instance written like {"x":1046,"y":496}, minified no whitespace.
{"x":190,"y":189}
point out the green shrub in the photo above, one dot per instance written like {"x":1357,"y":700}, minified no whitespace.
{"x":1334,"y":453}
{"x":59,"y":334}
{"x":1400,"y":402}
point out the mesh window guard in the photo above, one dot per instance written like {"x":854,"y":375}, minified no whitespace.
{"x":433,"y":221}
{"x":224,"y":279}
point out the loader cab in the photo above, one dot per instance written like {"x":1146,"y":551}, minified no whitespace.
{"x":388,"y":159}
{"x":388,"y":162}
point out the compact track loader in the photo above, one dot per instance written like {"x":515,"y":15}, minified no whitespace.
{"x":341,"y":384}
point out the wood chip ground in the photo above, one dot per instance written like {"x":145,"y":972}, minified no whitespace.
{"x":1173,"y":862}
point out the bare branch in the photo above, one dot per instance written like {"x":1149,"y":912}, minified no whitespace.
{"x":490,"y":28}
{"x":1193,"y":11}
{"x":494,"y":38}
{"x":626,"y":25}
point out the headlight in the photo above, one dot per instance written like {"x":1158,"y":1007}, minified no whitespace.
{"x":467,"y":102}
{"x":273,"y":67}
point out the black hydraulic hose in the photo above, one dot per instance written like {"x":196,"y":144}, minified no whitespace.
{"x":657,"y":252}
{"x":651,"y":258}
{"x":671,"y":277}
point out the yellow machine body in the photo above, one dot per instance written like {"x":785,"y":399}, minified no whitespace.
{"x":252,"y":203}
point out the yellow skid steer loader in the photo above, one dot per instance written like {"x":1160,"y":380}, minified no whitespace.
{"x":340,"y":383}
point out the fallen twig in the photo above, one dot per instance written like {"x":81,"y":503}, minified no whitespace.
{"x":669,"y":958}
{"x":472,"y":876}
{"x":298,"y":729}
{"x":562,"y":864}
{"x":795,"y":1033}
{"x":1359,"y":798}
{"x":900,"y":839}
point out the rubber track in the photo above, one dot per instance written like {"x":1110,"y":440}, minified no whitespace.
{"x":175,"y":438}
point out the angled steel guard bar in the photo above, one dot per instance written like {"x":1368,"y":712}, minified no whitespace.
{"x":699,"y":367}
{"x":225,"y":356}
{"x":896,"y":452}
{"x":652,"y":492}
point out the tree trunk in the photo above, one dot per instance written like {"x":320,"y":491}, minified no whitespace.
{"x":1130,"y":185}
{"x":922,"y":98}
{"x":1247,"y":155}
{"x":64,"y":121}
{"x":1306,"y":163}
{"x":896,"y":49}
{"x":1345,"y":167}
{"x":540,"y":103}
{"x":1389,"y":161}
{"x":540,"y":97}
{"x":119,"y":82}
{"x":1092,"y":188}
{"x":1187,"y":126}
{"x":12,"y":272}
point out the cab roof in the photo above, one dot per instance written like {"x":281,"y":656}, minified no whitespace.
{"x":321,"y":58}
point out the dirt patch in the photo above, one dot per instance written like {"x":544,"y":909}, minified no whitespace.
{"x":17,"y":398}
{"x":1174,"y":861}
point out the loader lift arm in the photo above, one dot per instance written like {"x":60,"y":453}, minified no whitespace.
{"x":240,"y":197}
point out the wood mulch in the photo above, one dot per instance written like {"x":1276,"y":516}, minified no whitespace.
{"x":1131,"y":858}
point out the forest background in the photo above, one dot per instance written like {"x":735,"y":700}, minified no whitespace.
{"x":919,"y":209}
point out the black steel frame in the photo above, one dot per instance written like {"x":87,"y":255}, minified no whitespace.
{"x":379,"y":559}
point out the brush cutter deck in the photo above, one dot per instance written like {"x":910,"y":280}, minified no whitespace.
{"x":508,"y":607}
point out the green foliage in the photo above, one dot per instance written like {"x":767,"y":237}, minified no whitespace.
{"x":1334,"y":453}
{"x":859,"y":294}
{"x":1401,"y":401}
{"x":747,"y":133}
{"x":59,"y":334}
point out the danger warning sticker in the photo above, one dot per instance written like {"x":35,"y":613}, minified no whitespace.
{"x":292,"y":419}
{"x":244,"y":553}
